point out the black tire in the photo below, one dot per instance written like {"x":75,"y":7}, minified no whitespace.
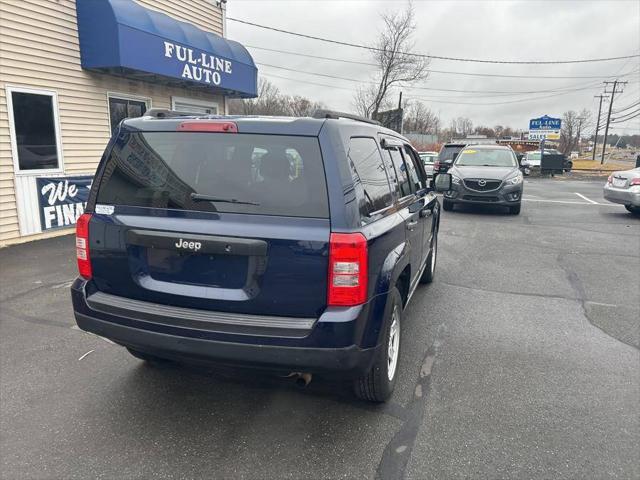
{"x":632,"y":209}
{"x":375,"y":385}
{"x":515,"y":210}
{"x":430,"y":268}
{"x":146,"y":356}
{"x":447,"y":204}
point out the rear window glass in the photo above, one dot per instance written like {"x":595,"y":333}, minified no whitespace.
{"x":449,"y":153}
{"x":217,"y":172}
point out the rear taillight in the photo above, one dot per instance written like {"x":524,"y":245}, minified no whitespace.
{"x":347,"y":269}
{"x":215,"y":126}
{"x":82,"y":246}
{"x":635,"y":181}
{"x":436,"y":165}
{"x":610,"y":179}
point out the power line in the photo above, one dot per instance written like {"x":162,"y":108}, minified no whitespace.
{"x":448,"y":72}
{"x":306,"y":82}
{"x":507,"y":102}
{"x":431,"y":100}
{"x":627,"y":107}
{"x":627,"y":117}
{"x":337,"y":77}
{"x":435,"y":57}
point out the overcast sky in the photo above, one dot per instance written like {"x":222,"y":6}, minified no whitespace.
{"x":503,"y":30}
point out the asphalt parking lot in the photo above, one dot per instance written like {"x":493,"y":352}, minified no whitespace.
{"x":521,"y":360}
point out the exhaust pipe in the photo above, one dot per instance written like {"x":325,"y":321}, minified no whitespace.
{"x":302,"y":379}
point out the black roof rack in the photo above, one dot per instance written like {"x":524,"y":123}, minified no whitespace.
{"x":336,"y":115}
{"x":164,"y":113}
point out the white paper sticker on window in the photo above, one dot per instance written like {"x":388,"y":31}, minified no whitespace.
{"x":104,"y":209}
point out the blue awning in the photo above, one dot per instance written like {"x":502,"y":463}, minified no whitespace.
{"x":122,"y":37}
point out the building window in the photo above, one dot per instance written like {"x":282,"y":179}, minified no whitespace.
{"x":191,"y":105}
{"x":35,"y":135}
{"x":123,"y":106}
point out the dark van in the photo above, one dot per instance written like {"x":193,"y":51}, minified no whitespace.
{"x":287,"y":244}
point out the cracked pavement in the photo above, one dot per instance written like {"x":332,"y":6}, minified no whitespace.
{"x":520,"y":361}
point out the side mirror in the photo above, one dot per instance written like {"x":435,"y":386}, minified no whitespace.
{"x":443,"y":182}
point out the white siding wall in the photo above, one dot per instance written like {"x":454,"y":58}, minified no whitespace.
{"x":39,"y":49}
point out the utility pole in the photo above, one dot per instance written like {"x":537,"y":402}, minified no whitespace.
{"x":595,"y":138}
{"x":401,"y":113}
{"x":578,"y":133}
{"x":606,"y":130}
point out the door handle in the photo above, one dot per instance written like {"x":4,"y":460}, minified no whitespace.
{"x":412,"y":225}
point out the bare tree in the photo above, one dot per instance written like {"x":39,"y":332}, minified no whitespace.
{"x":395,"y":65}
{"x":420,"y":119}
{"x":464,"y":126}
{"x":299,"y":106}
{"x":585,"y":120}
{"x":570,"y":122}
{"x":486,"y":131}
{"x":271,"y":102}
{"x":268,"y":102}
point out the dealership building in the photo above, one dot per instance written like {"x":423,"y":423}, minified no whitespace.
{"x":71,"y":70}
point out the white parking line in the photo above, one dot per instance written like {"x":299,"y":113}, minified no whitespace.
{"x":568,"y":202}
{"x":585,"y":198}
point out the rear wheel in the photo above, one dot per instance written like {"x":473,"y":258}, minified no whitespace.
{"x":146,"y":356}
{"x":378,"y":383}
{"x":430,"y":269}
{"x":632,"y":209}
{"x":514,"y":210}
{"x":447,"y":205}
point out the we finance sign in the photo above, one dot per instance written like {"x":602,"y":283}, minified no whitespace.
{"x":62,"y":200}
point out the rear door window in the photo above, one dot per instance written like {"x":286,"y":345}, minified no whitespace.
{"x":414,"y":170}
{"x":234,"y":173}
{"x":404,"y":185}
{"x":369,"y":175}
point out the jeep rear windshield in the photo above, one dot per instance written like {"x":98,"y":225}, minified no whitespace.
{"x":217,"y":172}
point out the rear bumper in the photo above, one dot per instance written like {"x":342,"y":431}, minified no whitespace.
{"x":623,"y":196}
{"x":196,"y":346}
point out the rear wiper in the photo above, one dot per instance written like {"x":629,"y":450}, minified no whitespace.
{"x":199,"y":197}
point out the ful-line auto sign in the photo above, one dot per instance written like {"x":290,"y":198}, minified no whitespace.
{"x":545,"y":123}
{"x":197,"y":65}
{"x":544,"y":128}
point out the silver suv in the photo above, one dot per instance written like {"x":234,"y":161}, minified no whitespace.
{"x":485,"y":174}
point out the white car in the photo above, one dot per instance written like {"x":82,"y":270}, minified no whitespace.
{"x":531,"y":160}
{"x":624,"y":188}
{"x":428,"y":158}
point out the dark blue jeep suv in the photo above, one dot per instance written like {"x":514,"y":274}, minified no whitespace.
{"x":287,"y":244}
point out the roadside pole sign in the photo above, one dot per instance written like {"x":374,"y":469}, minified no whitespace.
{"x":545,"y":128}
